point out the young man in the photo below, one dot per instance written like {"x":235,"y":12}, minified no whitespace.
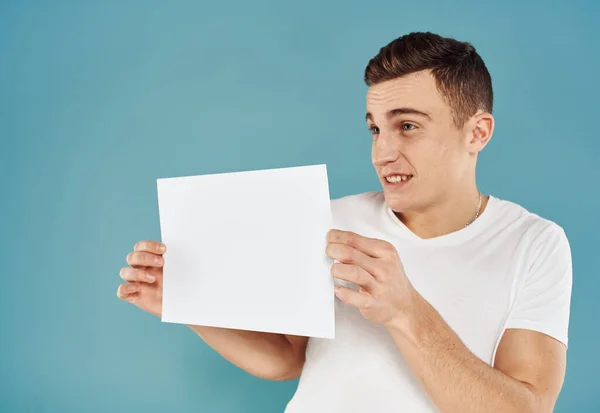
{"x":448,"y":300}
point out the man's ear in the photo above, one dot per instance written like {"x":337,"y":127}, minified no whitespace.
{"x":482,"y":128}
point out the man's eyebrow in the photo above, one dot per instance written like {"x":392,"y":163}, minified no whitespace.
{"x":400,"y":111}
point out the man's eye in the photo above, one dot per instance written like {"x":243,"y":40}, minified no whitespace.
{"x":408,"y":126}
{"x":374,"y":130}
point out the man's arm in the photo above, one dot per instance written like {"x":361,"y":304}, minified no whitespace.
{"x":266,"y":355}
{"x":526,"y":378}
{"x":530,"y":365}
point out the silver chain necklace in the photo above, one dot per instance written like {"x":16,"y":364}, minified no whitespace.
{"x":476,"y":212}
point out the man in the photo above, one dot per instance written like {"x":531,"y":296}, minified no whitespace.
{"x":449,"y":300}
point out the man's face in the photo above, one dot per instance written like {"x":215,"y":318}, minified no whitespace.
{"x":414,"y":136}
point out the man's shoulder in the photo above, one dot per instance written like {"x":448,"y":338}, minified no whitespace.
{"x":357,"y":207}
{"x":364,"y":200}
{"x":512,"y":216}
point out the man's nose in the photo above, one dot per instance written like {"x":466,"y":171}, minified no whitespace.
{"x":385,"y":150}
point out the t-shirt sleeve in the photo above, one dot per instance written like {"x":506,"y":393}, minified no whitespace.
{"x":543,"y":301}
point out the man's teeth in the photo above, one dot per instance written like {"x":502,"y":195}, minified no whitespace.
{"x":397,"y":178}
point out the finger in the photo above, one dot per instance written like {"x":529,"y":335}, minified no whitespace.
{"x":125,"y":290}
{"x":154,"y":247}
{"x":135,"y":274}
{"x":148,"y":299}
{"x":356,"y":299}
{"x":372,"y":247}
{"x":146,"y":259}
{"x":353,"y":274}
{"x":348,"y":255}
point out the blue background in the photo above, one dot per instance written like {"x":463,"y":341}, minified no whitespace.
{"x":99,"y":99}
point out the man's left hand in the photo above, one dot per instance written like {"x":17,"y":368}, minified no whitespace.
{"x":385,"y":295}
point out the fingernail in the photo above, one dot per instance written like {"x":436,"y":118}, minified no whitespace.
{"x":157,"y":260}
{"x":151,"y":278}
{"x":161,"y":247}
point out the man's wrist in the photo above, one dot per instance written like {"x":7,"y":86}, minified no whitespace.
{"x":408,"y":322}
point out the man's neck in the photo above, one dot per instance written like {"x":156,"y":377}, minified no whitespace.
{"x":444,"y":218}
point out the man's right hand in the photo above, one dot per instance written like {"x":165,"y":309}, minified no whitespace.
{"x":144,"y":277}
{"x":266,"y":355}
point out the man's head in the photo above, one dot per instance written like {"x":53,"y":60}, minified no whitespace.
{"x":429,"y":108}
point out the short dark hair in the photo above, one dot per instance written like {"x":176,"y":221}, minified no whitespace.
{"x":461,"y":76}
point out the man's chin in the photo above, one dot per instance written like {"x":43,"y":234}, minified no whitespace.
{"x":397,"y":201}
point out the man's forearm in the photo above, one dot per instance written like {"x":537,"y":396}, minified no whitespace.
{"x":265,"y":355}
{"x":455,"y":379}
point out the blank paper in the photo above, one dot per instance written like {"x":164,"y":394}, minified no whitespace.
{"x":246,"y":250}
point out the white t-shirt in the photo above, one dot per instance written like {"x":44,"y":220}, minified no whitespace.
{"x":509,"y":269}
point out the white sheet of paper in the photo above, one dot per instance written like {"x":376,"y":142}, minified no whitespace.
{"x":246,"y":250}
